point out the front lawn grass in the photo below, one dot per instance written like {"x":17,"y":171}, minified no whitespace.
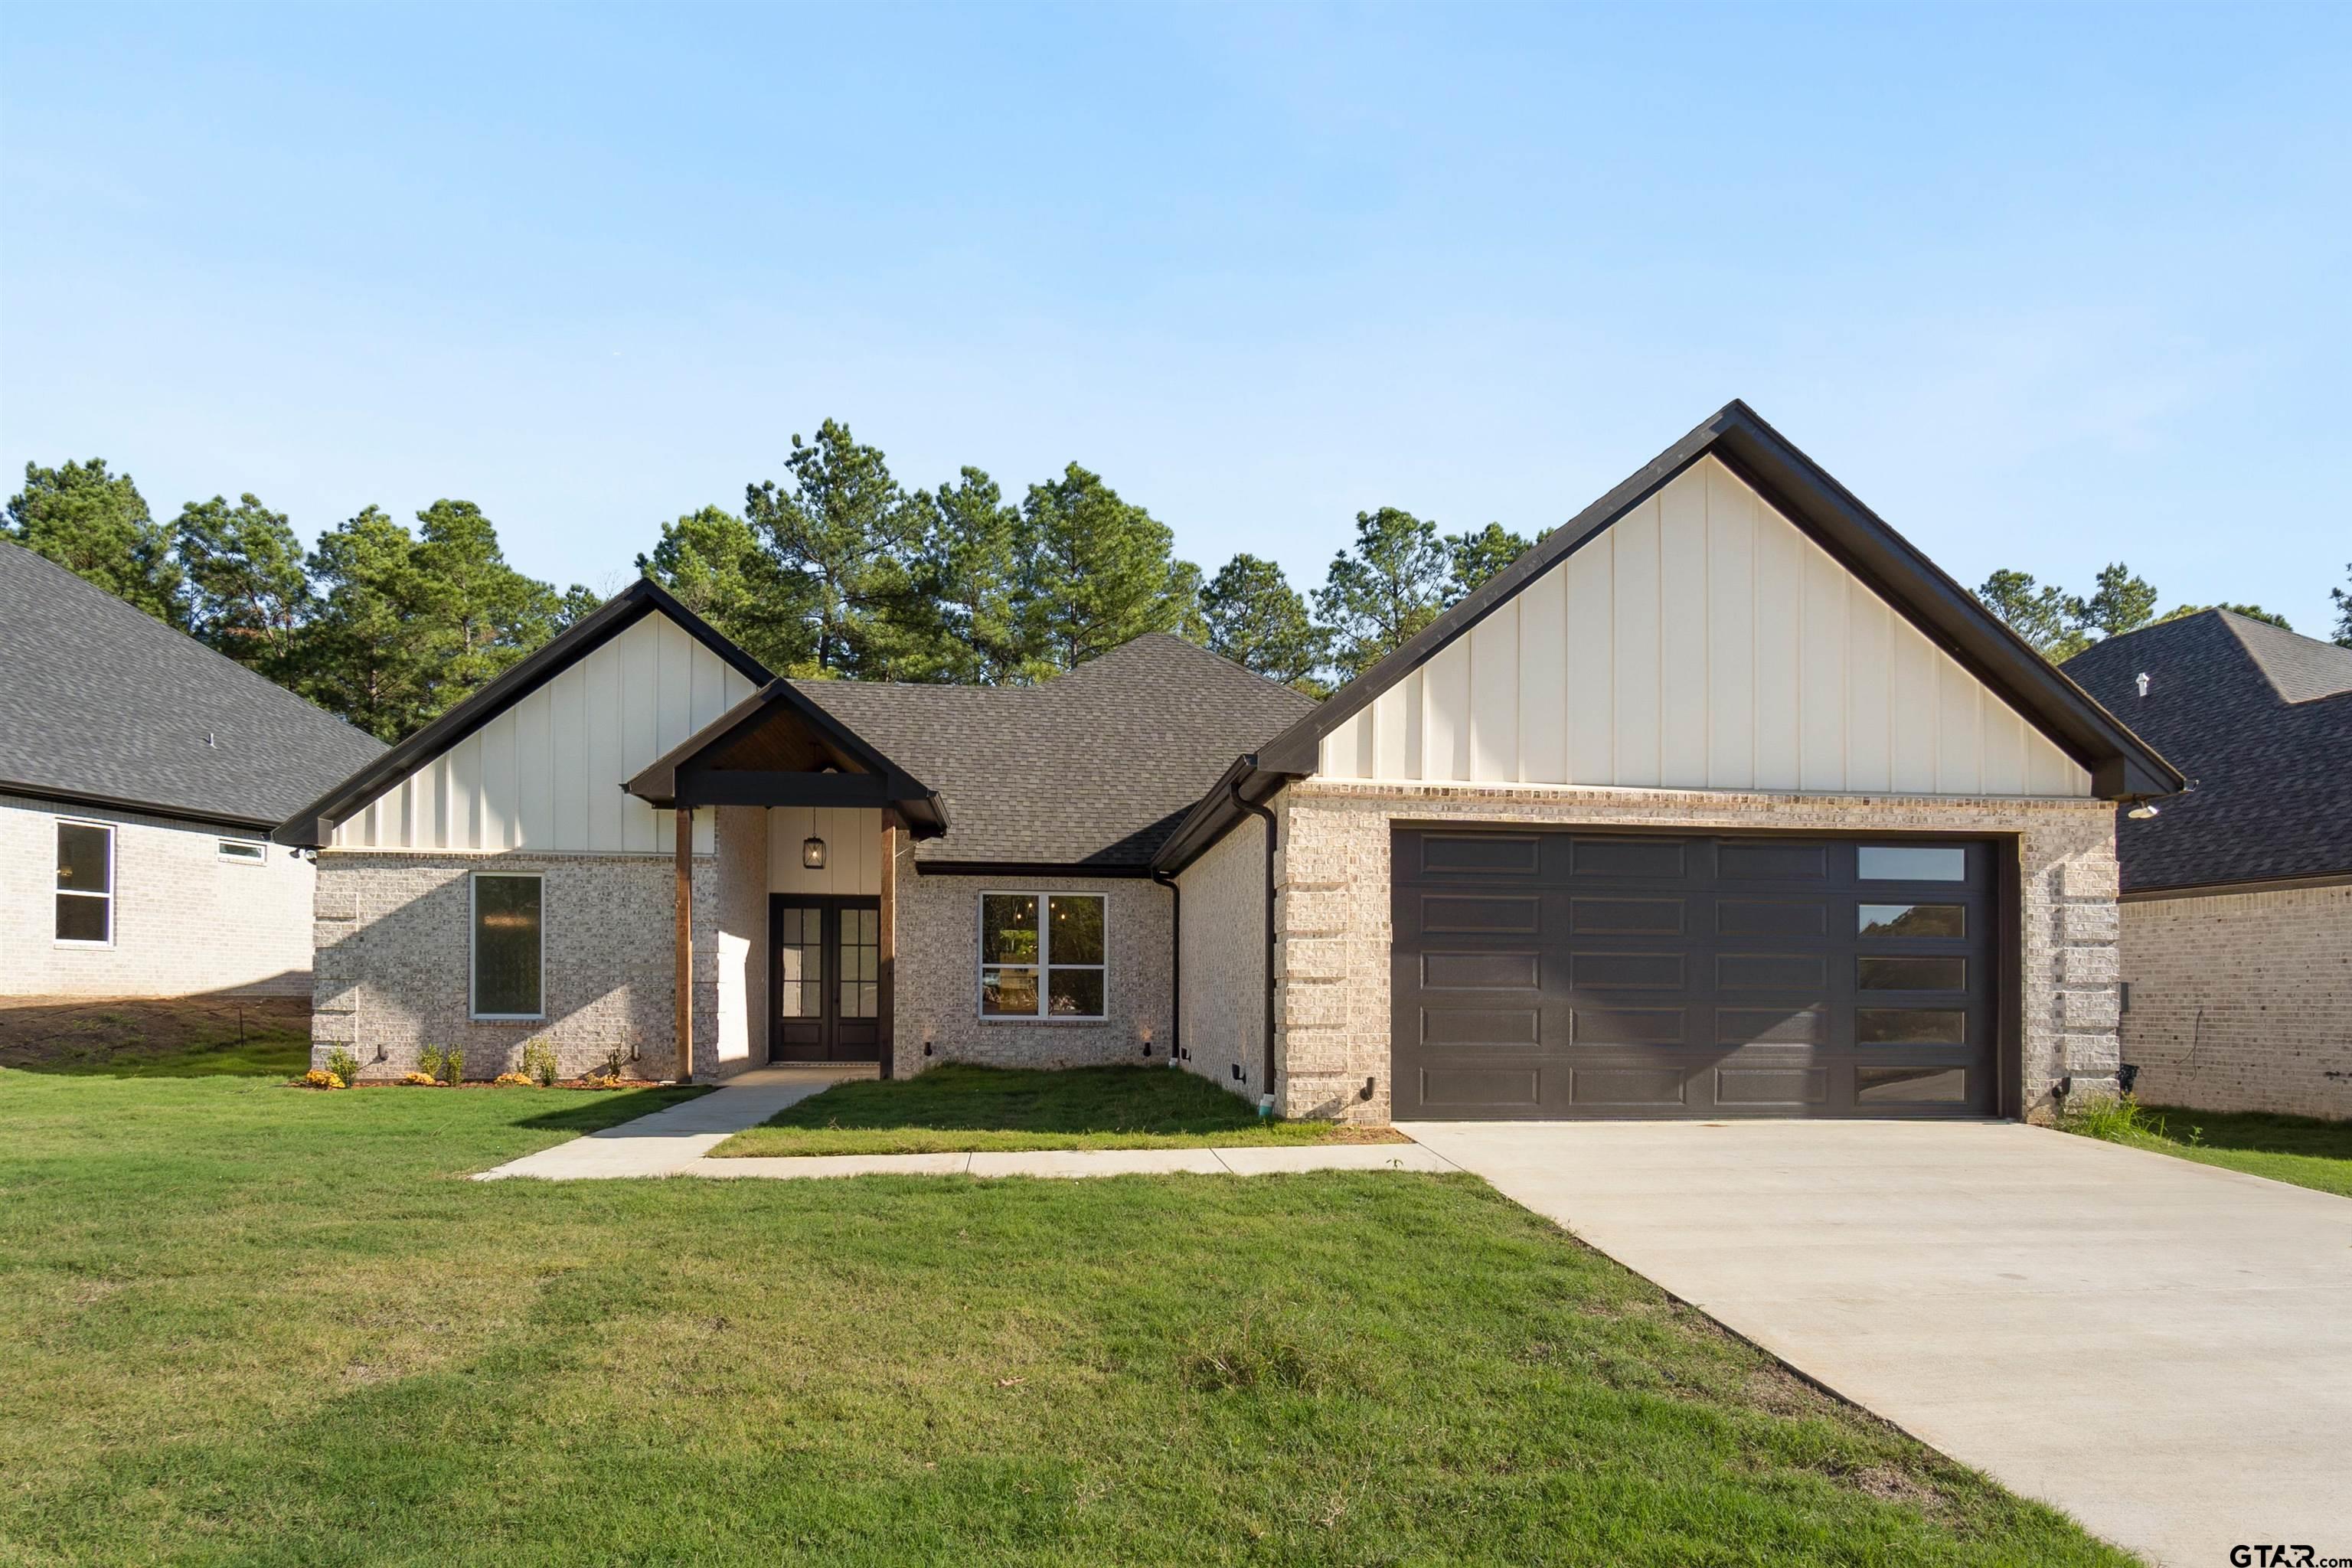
{"x":2303,"y":1150}
{"x":956,"y":1107}
{"x":249,"y":1324}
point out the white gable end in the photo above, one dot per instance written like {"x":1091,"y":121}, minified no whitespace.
{"x":1700,"y":642}
{"x":547,"y":774}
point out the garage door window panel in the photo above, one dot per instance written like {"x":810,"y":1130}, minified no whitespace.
{"x":1913,"y":1086}
{"x":1909,"y":921}
{"x":1911,"y":863}
{"x":1911,"y":1026}
{"x":1875,"y":972}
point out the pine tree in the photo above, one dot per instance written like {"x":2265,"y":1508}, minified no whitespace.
{"x":1099,"y":572}
{"x":1255,"y":618}
{"x":248,"y":593}
{"x":1390,"y":586}
{"x":97,"y":526}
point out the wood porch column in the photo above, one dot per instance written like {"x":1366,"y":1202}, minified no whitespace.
{"x":685,"y":943}
{"x":887,"y":1009}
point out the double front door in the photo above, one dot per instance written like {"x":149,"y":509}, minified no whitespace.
{"x":825,"y":981}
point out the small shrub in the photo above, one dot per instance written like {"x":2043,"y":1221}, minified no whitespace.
{"x":344,"y":1064}
{"x":320,"y":1078}
{"x":539,"y":1062}
{"x":613,"y":1063}
{"x":2118,"y":1120}
{"x":428,"y":1062}
{"x":511,"y":1080}
{"x":601,"y":1079}
{"x":424,"y":1078}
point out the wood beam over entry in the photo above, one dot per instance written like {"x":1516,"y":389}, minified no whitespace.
{"x":685,"y":945}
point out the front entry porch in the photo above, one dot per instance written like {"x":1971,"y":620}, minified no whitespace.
{"x":803,"y":927}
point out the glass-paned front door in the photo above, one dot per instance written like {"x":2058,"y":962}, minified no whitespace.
{"x":827,"y":979}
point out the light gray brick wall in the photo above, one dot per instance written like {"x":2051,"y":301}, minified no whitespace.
{"x":2242,"y":1001}
{"x":1224,"y":1007}
{"x":185,"y":921}
{"x":1332,"y":914}
{"x":394,"y":946}
{"x":938,"y":977}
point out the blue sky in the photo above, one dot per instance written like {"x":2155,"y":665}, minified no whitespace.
{"x":2046,"y":287}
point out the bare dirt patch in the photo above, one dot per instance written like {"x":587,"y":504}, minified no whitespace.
{"x":93,"y":1034}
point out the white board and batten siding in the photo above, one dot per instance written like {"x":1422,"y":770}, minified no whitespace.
{"x":853,"y":849}
{"x":546,"y":774}
{"x":1700,"y":642}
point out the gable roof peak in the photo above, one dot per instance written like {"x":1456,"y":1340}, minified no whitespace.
{"x":1800,"y":490}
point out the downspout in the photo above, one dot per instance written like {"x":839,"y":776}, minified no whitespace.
{"x":1175,"y":961}
{"x":1235,"y":788}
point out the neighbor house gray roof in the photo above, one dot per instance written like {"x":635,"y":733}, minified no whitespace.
{"x":2260,"y":720}
{"x":103,"y":704}
{"x":1094,"y":767}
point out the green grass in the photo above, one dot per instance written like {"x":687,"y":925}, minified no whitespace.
{"x":2303,"y":1150}
{"x":956,"y":1107}
{"x":247,"y":1324}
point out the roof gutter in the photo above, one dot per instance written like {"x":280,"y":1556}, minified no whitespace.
{"x":87,"y":801}
{"x":1175,"y":963}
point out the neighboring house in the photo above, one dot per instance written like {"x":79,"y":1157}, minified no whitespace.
{"x":2237,"y":896}
{"x":1721,"y":801}
{"x":139,"y":775}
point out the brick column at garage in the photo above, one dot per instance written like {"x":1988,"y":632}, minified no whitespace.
{"x":1320,"y":1057}
{"x":2089,"y":966}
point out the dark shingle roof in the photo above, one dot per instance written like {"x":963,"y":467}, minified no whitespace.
{"x":1095,"y":767}
{"x":100,"y":702}
{"x":2260,"y":720}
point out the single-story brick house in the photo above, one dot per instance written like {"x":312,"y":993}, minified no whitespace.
{"x":1722,"y":800}
{"x":2237,"y":896}
{"x":141,"y":775}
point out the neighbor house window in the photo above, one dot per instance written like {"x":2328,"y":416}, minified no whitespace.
{"x":85,"y":884}
{"x":244,"y":851}
{"x":1041,"y":955}
{"x":508,"y":947}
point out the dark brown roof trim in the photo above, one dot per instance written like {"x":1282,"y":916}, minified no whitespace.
{"x":1217,"y":812}
{"x":2252,"y":885}
{"x":40,"y":794}
{"x":1010,"y":868}
{"x":677,"y":776}
{"x":2122,"y":766}
{"x":316,"y":822}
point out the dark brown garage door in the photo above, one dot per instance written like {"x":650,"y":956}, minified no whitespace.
{"x":1558,"y":974}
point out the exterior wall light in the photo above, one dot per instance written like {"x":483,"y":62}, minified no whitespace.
{"x":812,"y":854}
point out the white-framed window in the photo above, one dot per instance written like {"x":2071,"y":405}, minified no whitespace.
{"x":1042,"y":955}
{"x":244,"y":851}
{"x":85,"y":883}
{"x":509,"y":945}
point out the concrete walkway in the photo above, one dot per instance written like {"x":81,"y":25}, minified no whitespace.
{"x":668,"y":1141}
{"x":677,"y":1143}
{"x":2162,"y":1349}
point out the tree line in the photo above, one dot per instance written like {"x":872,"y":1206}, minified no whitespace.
{"x":2060,"y":625}
{"x":834,"y":570}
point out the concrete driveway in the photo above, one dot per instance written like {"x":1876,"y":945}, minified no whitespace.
{"x":2161,"y":1349}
